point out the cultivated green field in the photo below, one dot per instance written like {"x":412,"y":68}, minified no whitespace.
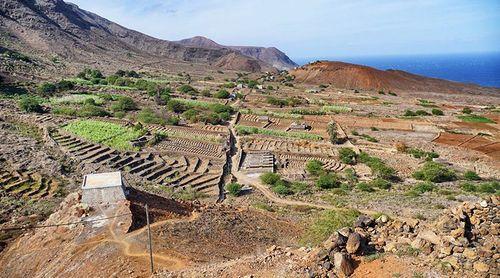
{"x":76,"y":99}
{"x":110,"y":134}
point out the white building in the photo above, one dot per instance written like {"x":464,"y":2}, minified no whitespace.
{"x":103,"y":188}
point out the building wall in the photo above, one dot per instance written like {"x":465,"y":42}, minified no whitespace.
{"x":107,"y":195}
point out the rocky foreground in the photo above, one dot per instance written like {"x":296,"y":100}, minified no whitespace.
{"x":464,"y":241}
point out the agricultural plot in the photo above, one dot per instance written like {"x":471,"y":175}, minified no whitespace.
{"x":110,"y":134}
{"x":26,"y":184}
{"x":286,"y":146}
{"x":247,"y":130}
{"x":474,"y":142}
{"x":76,"y":99}
{"x":178,"y":171}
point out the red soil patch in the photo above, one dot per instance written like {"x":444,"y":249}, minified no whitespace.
{"x":474,"y":142}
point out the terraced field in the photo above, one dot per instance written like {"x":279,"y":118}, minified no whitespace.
{"x":178,"y":171}
{"x":27,"y":184}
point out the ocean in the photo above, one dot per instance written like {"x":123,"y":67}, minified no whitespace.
{"x":482,"y":69}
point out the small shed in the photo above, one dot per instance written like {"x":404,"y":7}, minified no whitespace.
{"x":103,"y":188}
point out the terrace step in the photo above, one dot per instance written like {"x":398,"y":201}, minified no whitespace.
{"x":132,"y":164}
{"x":175,"y":179}
{"x":86,"y":151}
{"x":142,"y":167}
{"x":203,"y":166}
{"x":94,"y":154}
{"x":105,"y":156}
{"x":123,"y":161}
{"x":81,"y":148}
{"x":188,"y":179}
{"x":206,"y":182}
{"x":193,"y":164}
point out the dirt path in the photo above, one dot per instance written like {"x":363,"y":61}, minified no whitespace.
{"x":128,"y":243}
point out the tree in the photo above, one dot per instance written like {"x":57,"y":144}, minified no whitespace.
{"x":30,"y":104}
{"x":124,"y":104}
{"x":332,"y":132}
{"x":314,"y":167}
{"x":176,"y":106}
{"x":234,"y":189}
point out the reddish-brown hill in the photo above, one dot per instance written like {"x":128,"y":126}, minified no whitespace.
{"x":351,"y":76}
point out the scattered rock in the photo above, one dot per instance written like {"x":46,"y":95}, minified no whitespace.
{"x":343,"y":264}
{"x":353,"y":243}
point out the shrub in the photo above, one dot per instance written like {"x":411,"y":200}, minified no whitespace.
{"x":92,"y":111}
{"x":281,"y":188}
{"x":222,"y":94}
{"x":471,"y":176}
{"x":234,"y":188}
{"x":435,"y":172}
{"x":124,"y":104}
{"x":380,"y":183}
{"x":30,"y":104}
{"x":476,"y":119}
{"x":409,"y":113}
{"x":314,"y":167}
{"x":350,"y":175}
{"x":62,"y":110}
{"x":299,"y":187}
{"x":378,"y":167}
{"x":176,"y":106}
{"x":65,"y":85}
{"x":468,"y":187}
{"x":489,"y":187}
{"x":347,"y":156}
{"x":327,"y":181}
{"x":421,"y":113}
{"x":47,"y":88}
{"x":423,"y":187}
{"x":437,"y":112}
{"x":467,"y":110}
{"x":363,"y":186}
{"x":270,"y":178}
{"x":148,"y":116}
{"x":187,"y":89}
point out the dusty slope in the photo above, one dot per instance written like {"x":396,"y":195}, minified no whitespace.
{"x":54,"y":30}
{"x":351,"y":76}
{"x":270,"y":55}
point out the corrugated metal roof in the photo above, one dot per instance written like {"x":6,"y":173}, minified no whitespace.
{"x":102,"y":180}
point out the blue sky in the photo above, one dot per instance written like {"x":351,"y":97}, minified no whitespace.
{"x":318,"y":28}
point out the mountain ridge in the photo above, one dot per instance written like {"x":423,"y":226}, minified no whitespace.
{"x":270,"y":55}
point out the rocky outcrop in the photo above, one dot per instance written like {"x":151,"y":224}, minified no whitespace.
{"x":351,"y":76}
{"x":464,"y":241}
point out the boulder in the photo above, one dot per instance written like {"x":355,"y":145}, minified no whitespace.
{"x":364,"y":221}
{"x":343,"y":264}
{"x":430,"y":236}
{"x":353,"y":243}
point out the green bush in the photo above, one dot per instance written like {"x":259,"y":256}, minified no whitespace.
{"x":281,"y":188}
{"x":314,"y":167}
{"x":468,"y":187}
{"x":65,"y":85}
{"x":187,"y":89}
{"x":363,"y":186}
{"x":299,"y":187}
{"x":435,"y":172}
{"x":270,"y":178}
{"x":222,"y":94}
{"x":47,"y":88}
{"x":378,"y":167}
{"x":437,"y":112}
{"x":234,"y":188}
{"x":30,"y":104}
{"x":176,"y":106}
{"x":424,"y":187}
{"x":92,"y":111}
{"x":489,"y":187}
{"x":471,"y":176}
{"x":380,"y":183}
{"x":350,"y":176}
{"x":467,"y":110}
{"x":327,"y":181}
{"x":63,"y":110}
{"x":124,"y":104}
{"x":422,"y":113}
{"x":148,"y":116}
{"x":347,"y":156}
{"x":476,"y":119}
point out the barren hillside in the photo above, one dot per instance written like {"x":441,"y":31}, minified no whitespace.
{"x":351,"y":76}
